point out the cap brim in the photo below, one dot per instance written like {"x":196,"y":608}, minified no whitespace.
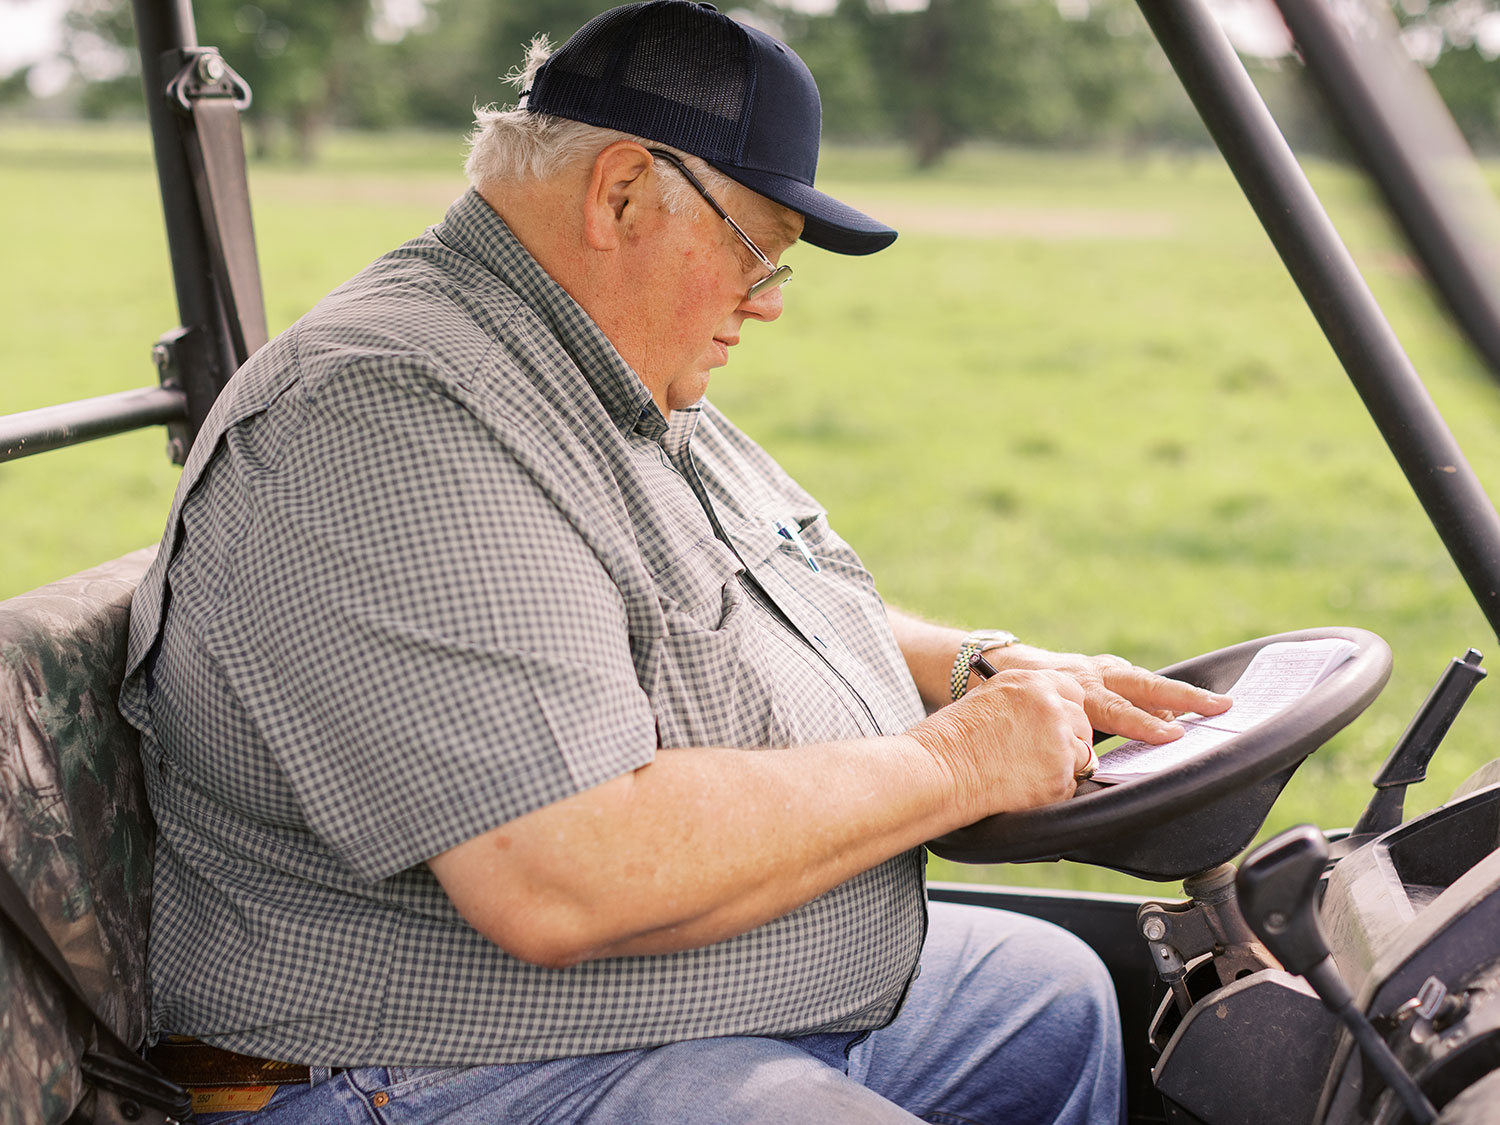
{"x":830,"y":225}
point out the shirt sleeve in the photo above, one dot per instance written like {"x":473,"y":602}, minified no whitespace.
{"x":426,"y":643}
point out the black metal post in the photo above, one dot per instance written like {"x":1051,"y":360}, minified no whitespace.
{"x":52,"y":427}
{"x":1390,"y":111}
{"x":1334,"y":290}
{"x":163,"y":29}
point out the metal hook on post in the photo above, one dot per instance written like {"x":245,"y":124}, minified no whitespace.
{"x":203,"y":73}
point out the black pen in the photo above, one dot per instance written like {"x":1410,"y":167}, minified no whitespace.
{"x":982,"y":667}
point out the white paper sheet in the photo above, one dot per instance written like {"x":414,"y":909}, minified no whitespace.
{"x":1278,"y":676}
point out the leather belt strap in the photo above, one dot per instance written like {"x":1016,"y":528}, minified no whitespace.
{"x":221,"y":1081}
{"x":191,"y":1063}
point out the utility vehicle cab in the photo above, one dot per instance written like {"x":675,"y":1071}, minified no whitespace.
{"x":1344,"y":976}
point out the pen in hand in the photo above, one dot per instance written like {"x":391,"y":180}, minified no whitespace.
{"x":982,"y":667}
{"x":985,"y":670}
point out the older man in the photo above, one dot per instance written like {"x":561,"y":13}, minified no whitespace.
{"x":525,"y":745}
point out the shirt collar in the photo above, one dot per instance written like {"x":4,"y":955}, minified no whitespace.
{"x":678,"y":431}
{"x":473,"y":228}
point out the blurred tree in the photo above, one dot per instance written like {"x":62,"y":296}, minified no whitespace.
{"x":1044,"y":72}
{"x":1470,"y":84}
{"x":1069,"y":72}
{"x":944,"y":73}
{"x":111,"y":97}
{"x":1459,"y":42}
{"x":13,"y":86}
{"x":834,"y":50}
{"x":513,"y":26}
{"x":98,"y":30}
{"x":460,"y":55}
{"x":437,"y":71}
{"x":298,"y":57}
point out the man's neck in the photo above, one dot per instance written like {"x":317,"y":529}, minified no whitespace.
{"x":537,"y":215}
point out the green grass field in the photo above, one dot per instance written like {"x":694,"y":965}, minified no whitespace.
{"x":1079,"y":399}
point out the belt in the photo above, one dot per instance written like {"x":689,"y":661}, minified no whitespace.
{"x":219,"y":1080}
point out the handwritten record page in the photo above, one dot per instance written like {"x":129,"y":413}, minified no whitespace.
{"x":1278,"y":676}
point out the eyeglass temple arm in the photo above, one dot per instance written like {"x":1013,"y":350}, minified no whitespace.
{"x":714,"y":203}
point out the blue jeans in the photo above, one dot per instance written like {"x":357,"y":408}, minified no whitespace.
{"x":1011,"y":1020}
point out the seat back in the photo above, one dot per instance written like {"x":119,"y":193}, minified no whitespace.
{"x":75,"y":830}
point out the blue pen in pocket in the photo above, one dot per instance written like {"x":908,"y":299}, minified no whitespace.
{"x":789,"y":531}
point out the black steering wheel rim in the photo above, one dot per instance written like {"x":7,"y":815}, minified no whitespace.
{"x":1101,"y":814}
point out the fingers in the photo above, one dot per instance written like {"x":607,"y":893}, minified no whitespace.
{"x":1149,"y":691}
{"x":1114,"y":714}
{"x":1118,"y":697}
{"x":1074,"y":729}
{"x":1064,"y":684}
{"x":1031,"y":736}
{"x":1135,"y":703}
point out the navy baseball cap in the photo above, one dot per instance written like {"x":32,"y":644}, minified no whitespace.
{"x":688,"y":76}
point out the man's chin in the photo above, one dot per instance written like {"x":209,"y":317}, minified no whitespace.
{"x":689,"y":391}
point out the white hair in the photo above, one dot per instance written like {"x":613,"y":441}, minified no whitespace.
{"x":516,"y":144}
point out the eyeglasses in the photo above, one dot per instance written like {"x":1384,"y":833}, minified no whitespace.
{"x":778,"y":275}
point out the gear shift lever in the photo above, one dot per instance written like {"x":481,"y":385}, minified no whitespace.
{"x":1277,"y":886}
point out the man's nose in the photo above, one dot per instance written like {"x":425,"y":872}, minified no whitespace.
{"x":766,"y":306}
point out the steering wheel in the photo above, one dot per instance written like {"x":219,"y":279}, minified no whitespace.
{"x":1193,"y":816}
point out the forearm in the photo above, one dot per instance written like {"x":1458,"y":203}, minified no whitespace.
{"x":704,"y":844}
{"x":699,"y":846}
{"x":730,"y":839}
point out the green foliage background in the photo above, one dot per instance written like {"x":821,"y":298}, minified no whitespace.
{"x":1055,"y":73}
{"x":1079,"y":398}
{"x":1019,"y":69}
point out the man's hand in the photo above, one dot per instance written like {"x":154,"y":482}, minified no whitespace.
{"x":1016,"y":741}
{"x":1118,"y":697}
{"x":1020,"y":738}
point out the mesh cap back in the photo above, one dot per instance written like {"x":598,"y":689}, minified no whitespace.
{"x":628,"y":65}
{"x":685,"y":75}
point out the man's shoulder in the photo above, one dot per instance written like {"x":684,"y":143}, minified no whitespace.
{"x":423,"y":311}
{"x":427,"y":321}
{"x":423,"y":298}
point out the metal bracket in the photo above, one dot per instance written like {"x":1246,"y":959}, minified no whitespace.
{"x":1181,"y":933}
{"x":205,"y":74}
{"x":137,"y":1084}
{"x":170,"y":355}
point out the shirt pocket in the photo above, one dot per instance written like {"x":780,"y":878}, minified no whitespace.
{"x":828,"y":549}
{"x":698,"y":588}
{"x":714,"y":686}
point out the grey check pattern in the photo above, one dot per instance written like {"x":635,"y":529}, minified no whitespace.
{"x":437,"y":561}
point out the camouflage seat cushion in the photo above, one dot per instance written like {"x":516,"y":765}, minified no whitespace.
{"x":75,"y":831}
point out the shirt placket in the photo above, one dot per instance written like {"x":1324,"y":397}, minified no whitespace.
{"x":677,"y":442}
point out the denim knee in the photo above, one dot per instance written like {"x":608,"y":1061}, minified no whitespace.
{"x":1019,"y":1017}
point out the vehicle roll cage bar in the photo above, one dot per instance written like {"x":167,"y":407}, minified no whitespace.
{"x":193,"y":103}
{"x":1325,"y":273}
{"x":194,"y":99}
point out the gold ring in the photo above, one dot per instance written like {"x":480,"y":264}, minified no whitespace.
{"x":1089,"y":767}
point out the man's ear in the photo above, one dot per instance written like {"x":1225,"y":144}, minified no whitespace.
{"x":616,"y":186}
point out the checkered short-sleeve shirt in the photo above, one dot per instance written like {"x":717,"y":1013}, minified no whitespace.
{"x":436,"y":561}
